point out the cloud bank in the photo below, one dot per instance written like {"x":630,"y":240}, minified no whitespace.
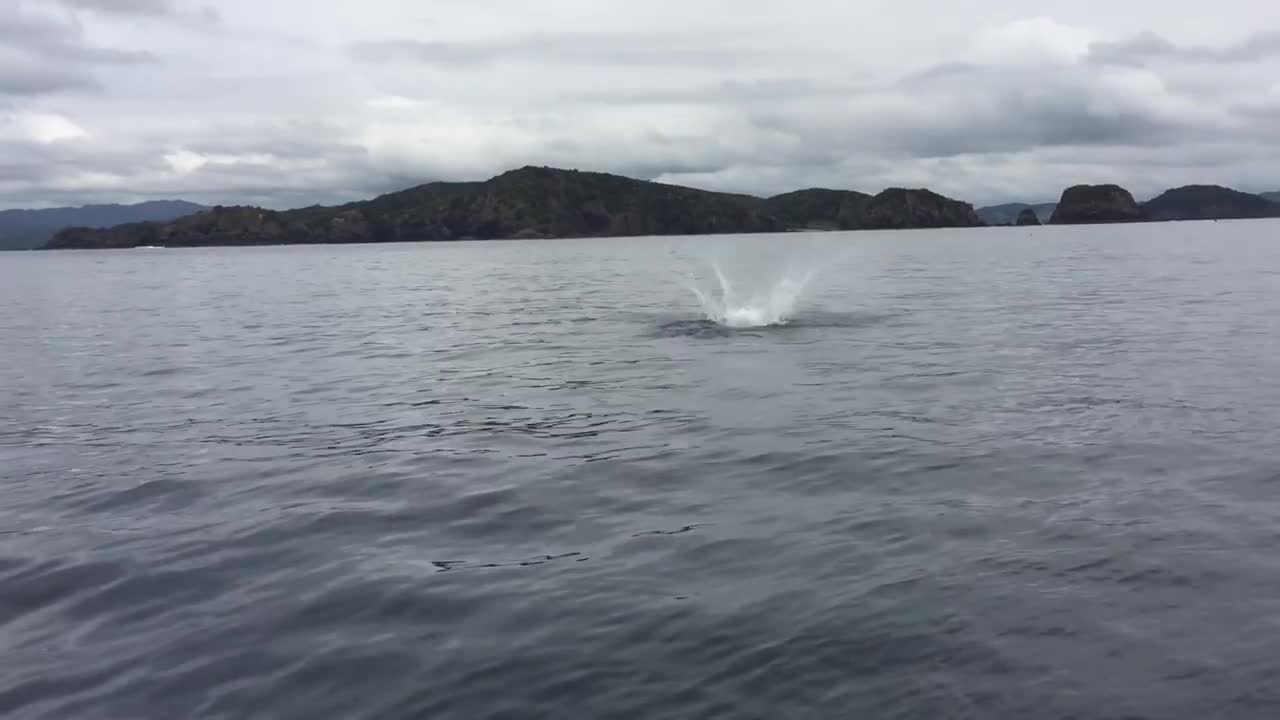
{"x":292,"y":103}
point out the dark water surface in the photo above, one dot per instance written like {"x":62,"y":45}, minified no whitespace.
{"x":983,"y":474}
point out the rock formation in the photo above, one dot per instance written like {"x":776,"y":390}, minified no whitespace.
{"x":1088,"y":204}
{"x":1007,"y":214}
{"x":900,"y":208}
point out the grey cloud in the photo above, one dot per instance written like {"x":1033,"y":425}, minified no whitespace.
{"x":942,"y":127}
{"x":964,"y":128}
{"x":730,"y":92}
{"x":125,"y":7}
{"x":145,"y":8}
{"x":944,"y":72}
{"x":735,"y":106}
{"x":617,"y":48}
{"x":1150,"y":46}
{"x":1008,"y":109}
{"x":292,"y":140}
{"x":54,"y":39}
{"x":34,"y":173}
{"x":942,"y":111}
{"x":23,"y":78}
{"x":655,"y":158}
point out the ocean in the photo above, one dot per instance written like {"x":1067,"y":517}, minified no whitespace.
{"x":987,"y":473}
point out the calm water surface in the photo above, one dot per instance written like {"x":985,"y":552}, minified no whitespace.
{"x":981,"y":474}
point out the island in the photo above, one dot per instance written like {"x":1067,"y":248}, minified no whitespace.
{"x":1209,"y":202}
{"x":544,"y":202}
{"x":1093,"y":204}
{"x":536,"y":202}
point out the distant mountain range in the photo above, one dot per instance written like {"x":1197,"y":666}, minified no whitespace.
{"x":1272,"y":196}
{"x":542,"y":202}
{"x":28,"y":229}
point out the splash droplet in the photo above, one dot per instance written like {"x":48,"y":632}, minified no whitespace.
{"x":773,"y":305}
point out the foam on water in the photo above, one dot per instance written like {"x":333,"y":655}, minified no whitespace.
{"x":773,"y":304}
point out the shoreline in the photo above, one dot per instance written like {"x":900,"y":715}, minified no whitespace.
{"x":615,"y":238}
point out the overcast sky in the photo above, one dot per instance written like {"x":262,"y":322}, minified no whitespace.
{"x":292,"y":102}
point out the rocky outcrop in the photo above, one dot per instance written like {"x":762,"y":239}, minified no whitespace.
{"x":1027,"y":217}
{"x":900,"y":208}
{"x":1007,"y":214}
{"x":818,"y":209}
{"x":1208,"y":202}
{"x":1088,"y":204}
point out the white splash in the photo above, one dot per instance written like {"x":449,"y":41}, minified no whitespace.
{"x":773,"y":305}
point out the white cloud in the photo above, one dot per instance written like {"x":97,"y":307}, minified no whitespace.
{"x":42,"y":128}
{"x":185,"y":162}
{"x":1034,"y":40}
{"x":393,"y":102}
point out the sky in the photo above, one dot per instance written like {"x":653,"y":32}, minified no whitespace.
{"x":286,"y":103}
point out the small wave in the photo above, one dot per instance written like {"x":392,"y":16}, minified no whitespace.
{"x":452,"y":565}
{"x":706,"y":328}
{"x":693,"y":328}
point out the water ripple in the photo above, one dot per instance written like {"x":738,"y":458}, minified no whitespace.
{"x":1000,"y":478}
